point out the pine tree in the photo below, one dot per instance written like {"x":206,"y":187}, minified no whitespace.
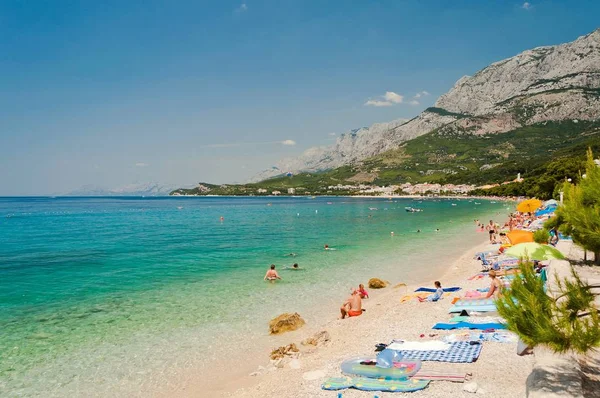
{"x":579,"y":216}
{"x":566,"y":321}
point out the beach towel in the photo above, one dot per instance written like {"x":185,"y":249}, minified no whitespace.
{"x":473,"y":307}
{"x":459,"y":352}
{"x":465,"y":301}
{"x":432,"y":290}
{"x":432,"y":345}
{"x":409,"y":297}
{"x":475,"y":319}
{"x":366,"y":384}
{"x":503,"y":336}
{"x":469,"y":325}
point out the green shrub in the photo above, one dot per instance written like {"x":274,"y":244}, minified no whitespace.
{"x":541,"y":236}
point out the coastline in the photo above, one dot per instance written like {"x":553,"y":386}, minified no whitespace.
{"x":385,"y":319}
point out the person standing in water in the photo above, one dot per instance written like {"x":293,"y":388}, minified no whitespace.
{"x":271,"y":274}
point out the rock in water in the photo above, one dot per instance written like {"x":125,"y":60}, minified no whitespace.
{"x":318,"y":339}
{"x":285,"y":323}
{"x":376,"y":283}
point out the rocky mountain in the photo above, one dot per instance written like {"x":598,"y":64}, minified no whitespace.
{"x":553,"y":83}
{"x":137,"y":189}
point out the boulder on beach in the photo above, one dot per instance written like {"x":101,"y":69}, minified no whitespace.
{"x":284,"y":351}
{"x":285,"y":323}
{"x":318,"y":339}
{"x":376,"y":283}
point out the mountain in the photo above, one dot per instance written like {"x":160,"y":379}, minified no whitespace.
{"x":137,"y":189}
{"x":545,"y":84}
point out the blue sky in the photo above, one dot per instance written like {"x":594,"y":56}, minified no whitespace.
{"x":116,"y":92}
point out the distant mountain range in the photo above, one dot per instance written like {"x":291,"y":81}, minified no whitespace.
{"x":546,"y":84}
{"x":138,"y":189}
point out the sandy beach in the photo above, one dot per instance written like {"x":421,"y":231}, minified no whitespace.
{"x":498,"y":372}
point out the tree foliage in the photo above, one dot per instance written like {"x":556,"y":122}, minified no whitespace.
{"x":566,"y":321}
{"x":580,"y":214}
{"x":541,"y":236}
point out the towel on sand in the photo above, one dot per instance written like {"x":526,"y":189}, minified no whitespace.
{"x":366,"y":384}
{"x":469,"y":325}
{"x":460,"y":351}
{"x":432,"y":290}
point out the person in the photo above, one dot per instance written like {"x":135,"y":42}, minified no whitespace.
{"x":435,"y":296}
{"x":363,"y":293}
{"x":271,"y":274}
{"x":292,"y":255}
{"x":492,"y":231}
{"x":495,"y":286}
{"x":553,"y":236}
{"x":326,"y":247}
{"x":352,"y":306}
{"x":295,"y":267}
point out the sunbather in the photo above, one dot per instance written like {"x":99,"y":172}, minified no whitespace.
{"x":495,"y":286}
{"x":352,"y":306}
{"x":435,"y":296}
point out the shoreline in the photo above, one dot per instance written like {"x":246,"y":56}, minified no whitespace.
{"x":352,"y":337}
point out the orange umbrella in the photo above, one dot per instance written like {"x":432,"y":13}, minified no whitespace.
{"x":529,"y":205}
{"x":519,"y":236}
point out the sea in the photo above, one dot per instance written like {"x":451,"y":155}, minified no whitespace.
{"x":106,"y":296}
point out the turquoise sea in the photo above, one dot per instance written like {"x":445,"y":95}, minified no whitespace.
{"x":98,"y":292}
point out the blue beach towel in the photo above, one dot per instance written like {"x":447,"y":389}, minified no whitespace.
{"x":432,"y":290}
{"x":469,"y":325}
{"x":459,"y":352}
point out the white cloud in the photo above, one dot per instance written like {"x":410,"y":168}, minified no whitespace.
{"x":288,"y":142}
{"x":377,"y":103}
{"x":421,"y":94}
{"x":332,"y":134}
{"x":388,"y":99}
{"x":527,"y":6}
{"x":242,"y":8}
{"x":391,"y":96}
{"x":414,"y":102}
{"x":141,"y":164}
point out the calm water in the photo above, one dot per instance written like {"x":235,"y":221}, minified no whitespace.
{"x":102,"y":290}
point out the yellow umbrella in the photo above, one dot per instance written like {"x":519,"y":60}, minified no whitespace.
{"x":519,"y":236}
{"x":529,"y":206}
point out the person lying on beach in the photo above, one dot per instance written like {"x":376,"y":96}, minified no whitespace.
{"x":363,"y":293}
{"x":271,"y":274}
{"x":495,"y":286}
{"x":352,"y":306}
{"x":435,"y":296}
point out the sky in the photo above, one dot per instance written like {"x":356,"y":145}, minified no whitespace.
{"x":118,"y":92}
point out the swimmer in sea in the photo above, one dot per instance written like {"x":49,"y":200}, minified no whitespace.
{"x":292,"y":255}
{"x":271,"y":274}
{"x":295,"y":267}
{"x":437,"y":230}
{"x":326,"y":247}
{"x":418,"y":230}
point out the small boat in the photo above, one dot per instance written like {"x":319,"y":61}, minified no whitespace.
{"x":412,"y":209}
{"x":373,"y":208}
{"x":454,"y":204}
{"x":477,"y":203}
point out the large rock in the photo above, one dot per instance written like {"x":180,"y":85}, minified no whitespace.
{"x":286,"y":323}
{"x":376,"y":283}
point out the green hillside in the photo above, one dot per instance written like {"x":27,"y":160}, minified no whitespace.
{"x":442,"y":157}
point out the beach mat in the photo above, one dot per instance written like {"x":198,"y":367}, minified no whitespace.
{"x":409,"y":297}
{"x":477,"y":308}
{"x":366,"y":384}
{"x":503,"y":336}
{"x":432,"y":290}
{"x":469,"y":325}
{"x":459,"y":352}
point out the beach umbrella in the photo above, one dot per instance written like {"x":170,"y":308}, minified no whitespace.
{"x":519,"y":236}
{"x":534,"y":251}
{"x":529,"y":205}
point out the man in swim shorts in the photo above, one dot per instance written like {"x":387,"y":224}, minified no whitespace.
{"x":271,"y":274}
{"x":352,"y":306}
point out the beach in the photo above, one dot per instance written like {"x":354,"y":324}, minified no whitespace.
{"x":498,"y":372}
{"x":164,"y":299}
